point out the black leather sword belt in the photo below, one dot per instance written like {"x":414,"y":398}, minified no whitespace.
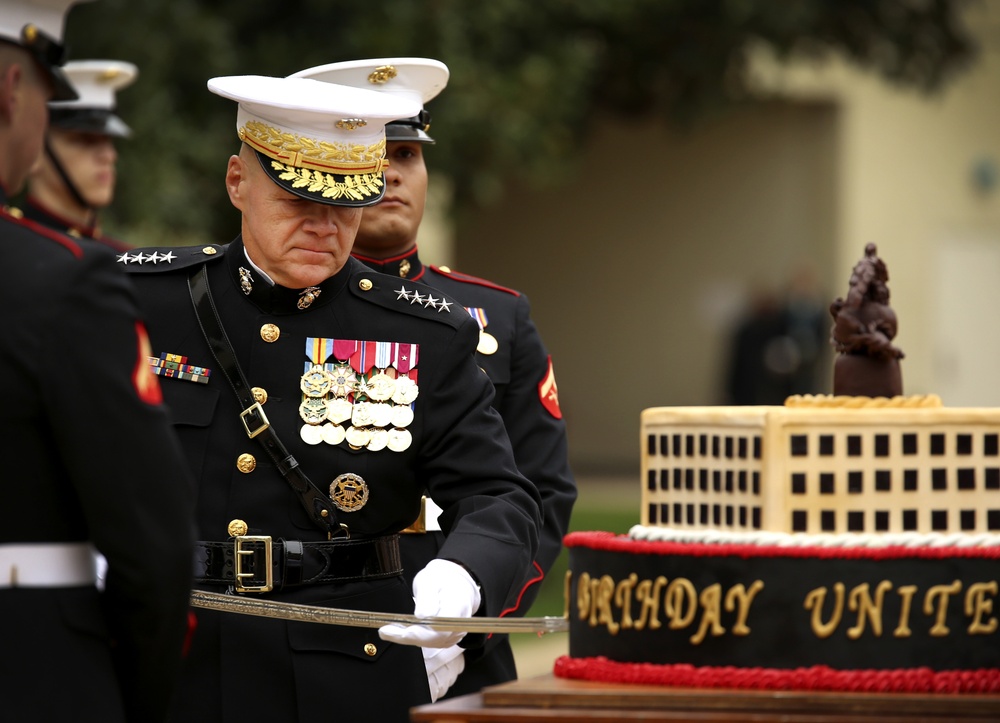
{"x":256,"y":563}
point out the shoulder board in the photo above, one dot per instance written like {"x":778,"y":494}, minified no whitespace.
{"x":15,"y":216}
{"x":168,"y":258}
{"x":407,"y":297}
{"x":467,"y":279}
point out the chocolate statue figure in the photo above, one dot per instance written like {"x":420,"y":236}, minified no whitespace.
{"x":864,"y":326}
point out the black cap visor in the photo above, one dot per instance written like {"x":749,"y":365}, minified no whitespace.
{"x":89,"y":120}
{"x":332,"y":189}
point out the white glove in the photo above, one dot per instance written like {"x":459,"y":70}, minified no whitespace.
{"x":441,"y":589}
{"x":443,"y":666}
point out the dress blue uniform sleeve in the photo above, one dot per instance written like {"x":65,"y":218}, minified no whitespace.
{"x":491,"y":512}
{"x":538,"y":439}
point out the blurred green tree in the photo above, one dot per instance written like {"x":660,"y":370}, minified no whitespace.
{"x":527,"y":77}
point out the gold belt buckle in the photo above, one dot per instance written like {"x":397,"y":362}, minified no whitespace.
{"x":419,"y":525}
{"x":240,"y":553}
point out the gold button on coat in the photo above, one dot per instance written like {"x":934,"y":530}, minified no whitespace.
{"x":370,"y":649}
{"x":210,"y":251}
{"x":270,"y":333}
{"x":237,"y":528}
{"x":246,"y":463}
{"x":365,"y":285}
{"x":259,"y":394}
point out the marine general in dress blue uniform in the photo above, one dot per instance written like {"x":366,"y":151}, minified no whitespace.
{"x":376,"y":399}
{"x":510,"y":348}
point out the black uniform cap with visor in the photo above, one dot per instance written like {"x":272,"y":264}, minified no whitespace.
{"x":420,"y":79}
{"x":37,"y":26}
{"x":319,"y":141}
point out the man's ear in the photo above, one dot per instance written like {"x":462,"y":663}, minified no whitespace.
{"x":235,"y":176}
{"x":11,"y":78}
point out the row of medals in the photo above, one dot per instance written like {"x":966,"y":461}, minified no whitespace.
{"x":379,"y":422}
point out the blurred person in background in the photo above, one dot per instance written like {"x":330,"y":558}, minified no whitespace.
{"x":75,"y":177}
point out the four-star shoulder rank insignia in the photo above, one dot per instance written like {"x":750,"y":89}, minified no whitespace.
{"x":150,"y":258}
{"x":428,"y":301}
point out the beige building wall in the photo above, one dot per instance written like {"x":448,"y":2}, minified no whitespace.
{"x":638,"y":268}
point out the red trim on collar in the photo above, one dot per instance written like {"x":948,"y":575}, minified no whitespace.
{"x":71,"y":246}
{"x":466,"y":278}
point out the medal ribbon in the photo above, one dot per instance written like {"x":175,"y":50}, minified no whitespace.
{"x":383,"y":354}
{"x":479,"y":315}
{"x":318,"y":350}
{"x":344,"y":349}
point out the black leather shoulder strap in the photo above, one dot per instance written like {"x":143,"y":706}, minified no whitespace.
{"x":318,"y":506}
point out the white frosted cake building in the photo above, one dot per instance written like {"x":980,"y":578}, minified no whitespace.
{"x":823,"y":465}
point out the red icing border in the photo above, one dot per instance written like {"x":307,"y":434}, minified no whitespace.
{"x":622,"y":543}
{"x":906,"y":680}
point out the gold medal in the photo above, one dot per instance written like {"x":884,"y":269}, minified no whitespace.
{"x":311,"y":434}
{"x":401,"y":416}
{"x":361,"y":415}
{"x":381,"y":386}
{"x":316,"y":382}
{"x":379,"y":440}
{"x":406,"y":391}
{"x":358,"y":437}
{"x":344,"y":380}
{"x":487,"y":343}
{"x":332,"y":433}
{"x":313,"y":411}
{"x":399,"y":440}
{"x":349,"y":492}
{"x":340,"y":410}
{"x":381,"y":415}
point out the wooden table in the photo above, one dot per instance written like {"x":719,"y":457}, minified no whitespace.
{"x":547,"y":698}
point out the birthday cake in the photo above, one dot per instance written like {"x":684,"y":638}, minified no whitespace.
{"x":846,"y":542}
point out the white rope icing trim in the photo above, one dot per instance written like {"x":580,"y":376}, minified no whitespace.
{"x":784,"y":539}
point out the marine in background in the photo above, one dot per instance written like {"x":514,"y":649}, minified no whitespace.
{"x":74,"y":179}
{"x":510,"y":349}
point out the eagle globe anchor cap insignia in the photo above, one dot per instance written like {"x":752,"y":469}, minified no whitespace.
{"x":320,"y":141}
{"x":420,"y":79}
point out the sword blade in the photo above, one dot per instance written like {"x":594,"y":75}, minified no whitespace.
{"x":367,"y":619}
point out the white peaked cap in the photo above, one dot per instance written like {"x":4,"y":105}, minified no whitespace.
{"x":321,"y":141}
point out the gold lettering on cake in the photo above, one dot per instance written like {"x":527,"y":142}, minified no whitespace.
{"x":603,"y":591}
{"x":942,"y":593}
{"x":679,"y":592}
{"x":739,"y":598}
{"x":583,"y":596}
{"x":711,"y":603}
{"x":906,"y":593}
{"x":814,"y":601}
{"x":623,"y":599}
{"x":647,"y":593}
{"x":567,"y":586}
{"x":976,"y":606}
{"x":861,"y":601}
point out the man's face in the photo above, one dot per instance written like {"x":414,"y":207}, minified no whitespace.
{"x":298,"y":243}
{"x":390,"y":226}
{"x":89,"y":160}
